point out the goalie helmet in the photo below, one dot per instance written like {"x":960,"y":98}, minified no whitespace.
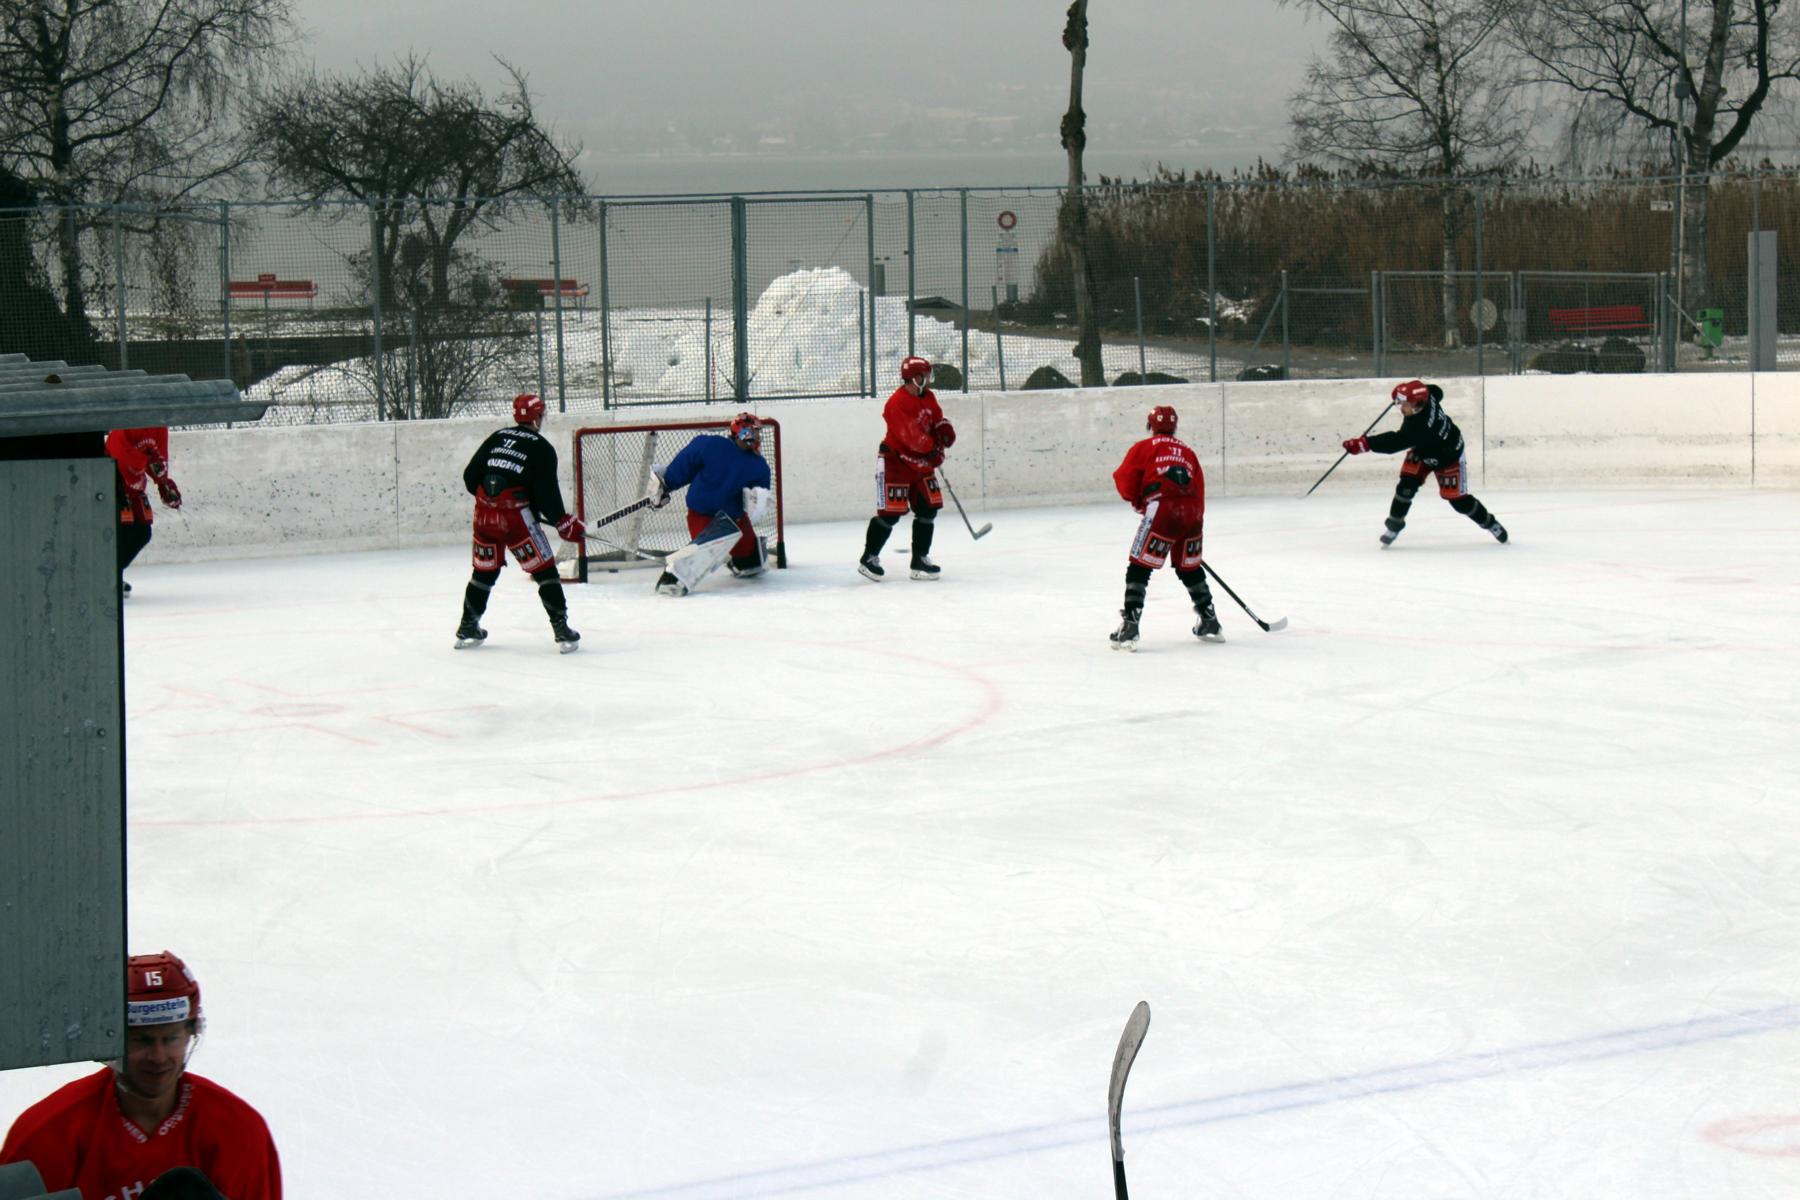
{"x":160,"y":990}
{"x":528,"y":408}
{"x":914,"y":369}
{"x":746,"y":431}
{"x":1162,"y":420}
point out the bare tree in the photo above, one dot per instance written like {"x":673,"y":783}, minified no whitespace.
{"x":1072,"y":218}
{"x":1414,"y":88}
{"x":125,"y":100}
{"x":1629,"y":66}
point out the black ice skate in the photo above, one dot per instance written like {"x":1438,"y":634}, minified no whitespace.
{"x":668,"y":585}
{"x":1125,"y":637}
{"x":1393,"y":531}
{"x":1208,"y":629}
{"x":869,"y":567}
{"x":469,"y":634}
{"x":567,"y":640}
{"x":924,"y":568}
{"x":1497,"y":529}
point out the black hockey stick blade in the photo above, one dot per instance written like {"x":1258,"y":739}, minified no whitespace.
{"x":1275,"y":626}
{"x":1135,"y":1028}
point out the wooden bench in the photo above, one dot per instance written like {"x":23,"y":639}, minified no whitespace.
{"x":568,"y":289}
{"x":269,"y":288}
{"x":1603,"y":318}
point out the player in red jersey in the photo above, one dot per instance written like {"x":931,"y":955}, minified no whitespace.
{"x":1434,"y":446}
{"x":905,"y":470}
{"x":148,"y":1125}
{"x":142,"y":456}
{"x":1161,"y":478}
{"x":513,"y":479}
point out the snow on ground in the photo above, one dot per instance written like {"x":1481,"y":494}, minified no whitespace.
{"x":1475,"y":882}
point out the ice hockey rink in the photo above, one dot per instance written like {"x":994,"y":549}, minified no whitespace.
{"x":1478,"y":880}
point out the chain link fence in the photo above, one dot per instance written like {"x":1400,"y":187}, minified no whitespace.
{"x":409,"y":310}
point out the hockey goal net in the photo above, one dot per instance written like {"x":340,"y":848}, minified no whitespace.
{"x":612,"y":470}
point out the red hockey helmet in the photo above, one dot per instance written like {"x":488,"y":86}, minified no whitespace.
{"x":160,"y":990}
{"x":746,"y":431}
{"x":1413,"y":391}
{"x":914,"y":369}
{"x":1162,"y":420}
{"x":527,"y":408}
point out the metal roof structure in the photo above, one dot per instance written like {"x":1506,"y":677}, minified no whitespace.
{"x":39,"y":398}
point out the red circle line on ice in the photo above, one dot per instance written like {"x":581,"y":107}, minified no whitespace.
{"x":987,"y":705}
{"x":1766,"y":1136}
{"x":1007,"y":219}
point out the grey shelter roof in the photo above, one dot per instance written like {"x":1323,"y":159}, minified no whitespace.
{"x":38,"y":397}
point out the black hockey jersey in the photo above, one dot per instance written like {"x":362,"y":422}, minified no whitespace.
{"x":1429,"y":433}
{"x":517,"y":464}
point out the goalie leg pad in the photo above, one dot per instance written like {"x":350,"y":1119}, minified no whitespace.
{"x":753,"y":563}
{"x":695,"y":561}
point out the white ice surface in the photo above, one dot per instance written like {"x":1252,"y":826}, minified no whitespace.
{"x":1478,"y":881}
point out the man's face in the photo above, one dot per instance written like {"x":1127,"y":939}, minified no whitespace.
{"x":155,"y":1056}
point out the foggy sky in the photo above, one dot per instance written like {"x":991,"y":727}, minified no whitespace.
{"x":1195,"y":83}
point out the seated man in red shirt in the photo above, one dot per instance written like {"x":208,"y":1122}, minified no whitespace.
{"x":147,"y":1127}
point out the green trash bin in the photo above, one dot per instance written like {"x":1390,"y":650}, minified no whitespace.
{"x":1712,"y":329}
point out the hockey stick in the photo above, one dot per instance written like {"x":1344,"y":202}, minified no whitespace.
{"x":1280,"y":622}
{"x":1135,"y":1028}
{"x":1343,"y":456}
{"x":620,"y":513}
{"x":987,"y":527}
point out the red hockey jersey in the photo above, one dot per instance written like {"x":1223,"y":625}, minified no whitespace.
{"x":1145,"y":471}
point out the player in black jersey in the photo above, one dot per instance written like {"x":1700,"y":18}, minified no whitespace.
{"x":1434,"y":446}
{"x":513,"y":480}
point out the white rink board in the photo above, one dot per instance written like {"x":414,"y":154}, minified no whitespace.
{"x":329,"y":488}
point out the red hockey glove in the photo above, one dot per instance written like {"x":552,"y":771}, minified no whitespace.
{"x":1356,"y":445}
{"x":171,"y":495}
{"x":934,"y":460}
{"x":569,"y":529}
{"x":944,"y":434}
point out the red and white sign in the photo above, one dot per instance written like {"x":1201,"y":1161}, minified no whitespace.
{"x":1007,"y":219}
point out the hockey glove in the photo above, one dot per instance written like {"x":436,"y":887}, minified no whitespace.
{"x":570,"y":528}
{"x":934,"y":460}
{"x":1356,"y":445}
{"x":1178,"y":475}
{"x":171,"y":495}
{"x":658,"y":491}
{"x":153,"y":462}
{"x":944,"y":434}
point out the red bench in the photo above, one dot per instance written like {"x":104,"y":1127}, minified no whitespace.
{"x":568,"y":289}
{"x":270,"y":288}
{"x":1600,"y":319}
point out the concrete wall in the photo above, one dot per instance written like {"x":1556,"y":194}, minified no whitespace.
{"x":349,"y":487}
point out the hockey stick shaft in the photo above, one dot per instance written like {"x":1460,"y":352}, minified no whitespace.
{"x":1280,"y":623}
{"x":1344,"y":455}
{"x":620,"y":513}
{"x":987,"y":526}
{"x":1135,"y":1028}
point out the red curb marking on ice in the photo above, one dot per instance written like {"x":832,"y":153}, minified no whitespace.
{"x":1762,"y":1136}
{"x":991,"y":705}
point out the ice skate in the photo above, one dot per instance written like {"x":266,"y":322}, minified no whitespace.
{"x":668,"y":585}
{"x":1497,"y":529}
{"x":1208,"y":629}
{"x":869,"y":567}
{"x":1393,"y":531}
{"x":1125,"y":637}
{"x":567,"y":640}
{"x":924,"y":568}
{"x":469,"y":634}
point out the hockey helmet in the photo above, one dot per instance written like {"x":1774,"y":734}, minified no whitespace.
{"x":1413,"y":391}
{"x":914,"y":369}
{"x":746,"y":431}
{"x":160,"y":990}
{"x":1162,"y":420}
{"x":527,"y":408}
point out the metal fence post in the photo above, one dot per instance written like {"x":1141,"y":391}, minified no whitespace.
{"x":1375,"y":320}
{"x":706,"y":329}
{"x":606,"y":362}
{"x":1212,"y":283}
{"x":1480,"y":296}
{"x":225,"y":280}
{"x":562,"y":371}
{"x":1287,"y":305}
{"x":911,"y":259}
{"x":1137,"y":297}
{"x":375,"y":307}
{"x":999,"y":345}
{"x":740,"y":298}
{"x":965,"y":289}
{"x":119,"y":284}
{"x":869,"y":208}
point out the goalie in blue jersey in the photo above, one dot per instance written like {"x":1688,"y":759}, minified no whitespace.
{"x":727,"y":481}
